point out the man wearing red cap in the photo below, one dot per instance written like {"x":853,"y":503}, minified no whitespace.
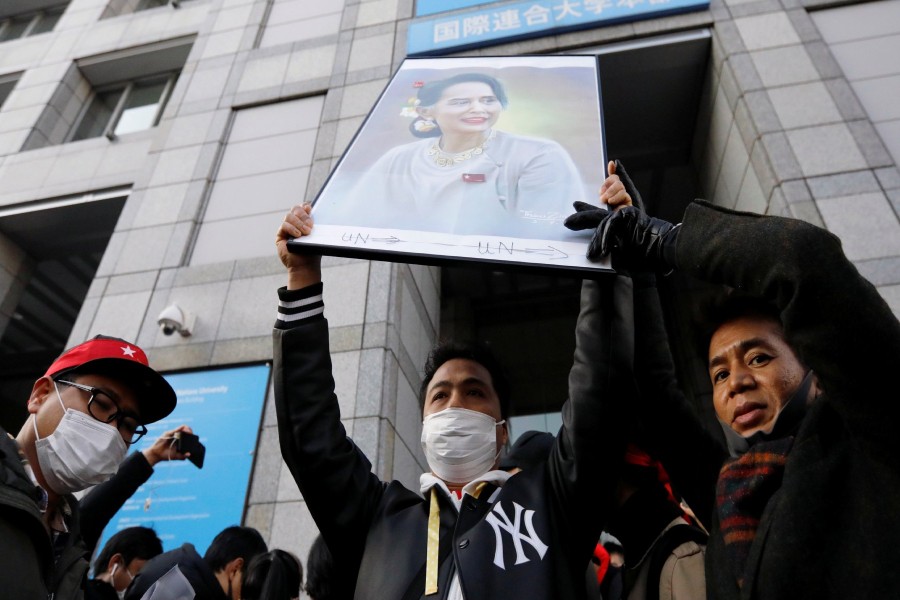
{"x":92,"y":403}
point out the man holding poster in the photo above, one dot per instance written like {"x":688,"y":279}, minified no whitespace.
{"x":478,"y":532}
{"x":803,"y":502}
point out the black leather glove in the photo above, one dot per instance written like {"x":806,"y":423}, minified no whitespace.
{"x":589,"y":216}
{"x":635,"y":239}
{"x":632,"y":191}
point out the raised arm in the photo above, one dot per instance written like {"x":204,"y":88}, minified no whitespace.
{"x":333,"y":475}
{"x":691,"y":455}
{"x":584,"y":461}
{"x":833,"y":318}
{"x":103,"y":501}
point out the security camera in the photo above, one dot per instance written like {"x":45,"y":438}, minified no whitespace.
{"x":174,"y":318}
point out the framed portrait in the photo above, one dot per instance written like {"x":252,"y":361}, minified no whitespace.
{"x":472,"y":159}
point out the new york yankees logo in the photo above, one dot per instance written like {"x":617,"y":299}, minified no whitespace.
{"x":512,"y":528}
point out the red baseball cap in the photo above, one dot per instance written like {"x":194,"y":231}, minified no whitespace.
{"x":123,"y":361}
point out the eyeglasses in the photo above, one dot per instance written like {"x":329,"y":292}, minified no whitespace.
{"x":102,"y":407}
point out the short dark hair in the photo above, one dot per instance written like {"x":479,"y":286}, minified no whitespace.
{"x":321,"y":582}
{"x":231,"y":543}
{"x":274,"y":575}
{"x":475,"y":351}
{"x":431,"y":92}
{"x":729,"y":307}
{"x":131,"y":543}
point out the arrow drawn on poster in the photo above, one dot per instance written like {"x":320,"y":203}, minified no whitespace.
{"x":484,"y":248}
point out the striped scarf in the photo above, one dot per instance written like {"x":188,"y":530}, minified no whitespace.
{"x":744,"y":488}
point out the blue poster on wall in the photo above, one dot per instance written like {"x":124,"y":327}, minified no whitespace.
{"x":184,"y":503}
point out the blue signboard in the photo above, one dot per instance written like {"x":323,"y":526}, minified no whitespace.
{"x":506,"y":22}
{"x":184,"y":503}
{"x":430,"y":7}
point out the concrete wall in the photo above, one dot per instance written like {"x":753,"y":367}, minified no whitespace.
{"x":865,"y":41}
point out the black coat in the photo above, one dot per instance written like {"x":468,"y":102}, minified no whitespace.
{"x":377,"y":531}
{"x":831,"y":530}
{"x":32,"y":566}
{"x":96,"y":589}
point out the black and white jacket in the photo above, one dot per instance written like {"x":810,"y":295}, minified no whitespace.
{"x":531,"y":538}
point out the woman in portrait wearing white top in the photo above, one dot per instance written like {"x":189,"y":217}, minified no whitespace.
{"x":465,"y":176}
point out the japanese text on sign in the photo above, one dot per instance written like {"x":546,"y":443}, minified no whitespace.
{"x":483,"y":26}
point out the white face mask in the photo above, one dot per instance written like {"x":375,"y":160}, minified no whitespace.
{"x":460,"y":444}
{"x":112,"y":580}
{"x":81,"y":452}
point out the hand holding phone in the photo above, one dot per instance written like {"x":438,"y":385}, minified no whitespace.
{"x":190,"y":444}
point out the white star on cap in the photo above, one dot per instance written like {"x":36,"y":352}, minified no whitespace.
{"x":128,"y":351}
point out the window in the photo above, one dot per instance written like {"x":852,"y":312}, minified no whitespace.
{"x":127,"y":90}
{"x":145,"y":4}
{"x":7,"y":83}
{"x":117,"y":8}
{"x":125,"y":107}
{"x":24,"y":25}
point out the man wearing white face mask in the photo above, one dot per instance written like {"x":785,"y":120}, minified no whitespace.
{"x":91,"y":404}
{"x":475,"y":532}
{"x":123,"y":556}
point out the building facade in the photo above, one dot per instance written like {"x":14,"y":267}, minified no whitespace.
{"x":150,"y":148}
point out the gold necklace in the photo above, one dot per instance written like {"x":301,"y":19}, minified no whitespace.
{"x":445,"y":159}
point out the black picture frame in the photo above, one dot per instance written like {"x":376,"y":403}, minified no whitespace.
{"x":518,"y":139}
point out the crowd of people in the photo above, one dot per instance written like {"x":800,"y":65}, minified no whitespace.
{"x":633,"y":498}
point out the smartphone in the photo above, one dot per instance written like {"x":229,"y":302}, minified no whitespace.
{"x":188,"y":442}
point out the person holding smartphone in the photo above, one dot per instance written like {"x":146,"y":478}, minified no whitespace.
{"x":102,"y":503}
{"x":93,"y":402}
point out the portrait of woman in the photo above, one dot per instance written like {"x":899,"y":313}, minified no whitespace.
{"x":462,"y":173}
